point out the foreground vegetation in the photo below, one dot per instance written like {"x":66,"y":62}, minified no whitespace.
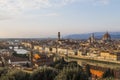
{"x":59,"y":70}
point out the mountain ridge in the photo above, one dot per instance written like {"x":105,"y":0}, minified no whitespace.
{"x":98,"y":35}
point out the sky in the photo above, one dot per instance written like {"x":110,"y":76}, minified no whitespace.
{"x":45,"y":18}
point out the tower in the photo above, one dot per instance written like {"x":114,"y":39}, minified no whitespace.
{"x":58,"y":35}
{"x":91,"y":38}
{"x":31,"y":54}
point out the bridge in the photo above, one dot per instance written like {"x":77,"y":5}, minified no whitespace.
{"x":13,"y":45}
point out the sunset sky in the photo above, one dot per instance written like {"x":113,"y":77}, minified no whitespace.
{"x":44,"y":18}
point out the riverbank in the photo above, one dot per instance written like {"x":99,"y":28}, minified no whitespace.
{"x":95,"y":62}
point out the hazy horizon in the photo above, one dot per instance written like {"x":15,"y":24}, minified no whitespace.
{"x":44,"y":18}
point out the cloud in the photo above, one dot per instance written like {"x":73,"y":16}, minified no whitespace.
{"x":50,"y":14}
{"x":102,"y":2}
{"x":20,"y":6}
{"x":2,"y":17}
{"x":17,"y":6}
{"x":40,"y":15}
{"x":105,"y":1}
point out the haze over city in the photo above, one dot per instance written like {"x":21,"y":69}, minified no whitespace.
{"x":44,"y":18}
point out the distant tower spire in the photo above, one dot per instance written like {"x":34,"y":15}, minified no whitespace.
{"x":92,"y":38}
{"x":58,"y":35}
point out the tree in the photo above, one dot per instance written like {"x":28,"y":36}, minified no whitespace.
{"x":88,"y":70}
{"x":71,"y":73}
{"x":3,"y":71}
{"x":44,"y":73}
{"x":59,"y":64}
{"x":108,"y":73}
{"x":16,"y":75}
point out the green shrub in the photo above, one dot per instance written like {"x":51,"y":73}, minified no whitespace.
{"x":70,"y":73}
{"x":59,"y":64}
{"x":16,"y":75}
{"x":108,"y":73}
{"x":44,"y":73}
{"x":3,"y":71}
{"x":88,"y":70}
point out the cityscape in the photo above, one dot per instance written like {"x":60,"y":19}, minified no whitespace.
{"x":28,"y":55}
{"x":59,"y":40}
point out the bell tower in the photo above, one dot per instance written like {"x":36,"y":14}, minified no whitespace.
{"x":58,"y":35}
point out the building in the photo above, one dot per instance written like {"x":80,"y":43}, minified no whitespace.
{"x":91,"y":38}
{"x":114,"y":56}
{"x":42,"y":59}
{"x":59,"y":35}
{"x":106,"y":37}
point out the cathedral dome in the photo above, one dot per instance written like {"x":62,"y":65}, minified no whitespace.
{"x":106,"y":36}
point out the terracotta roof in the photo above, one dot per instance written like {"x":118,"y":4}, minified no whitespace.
{"x":106,"y":35}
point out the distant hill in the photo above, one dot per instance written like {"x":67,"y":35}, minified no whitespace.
{"x":98,"y":35}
